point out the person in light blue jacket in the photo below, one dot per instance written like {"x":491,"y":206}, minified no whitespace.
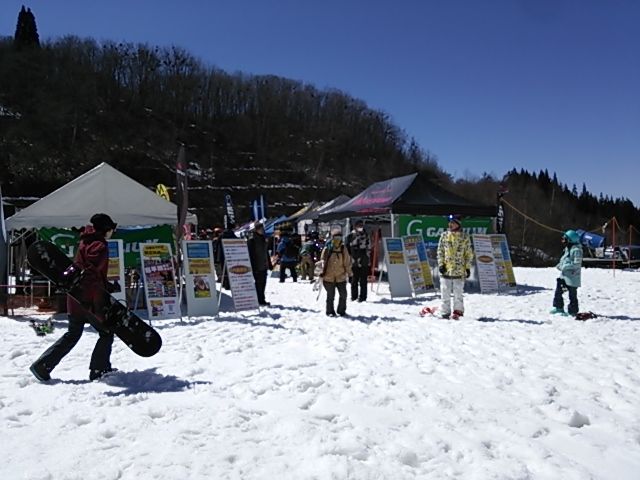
{"x":570,"y":266}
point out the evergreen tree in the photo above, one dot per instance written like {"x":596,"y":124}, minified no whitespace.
{"x":26,"y":35}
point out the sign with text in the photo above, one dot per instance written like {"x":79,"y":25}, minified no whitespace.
{"x":200,"y":281}
{"x":67,"y":240}
{"x":415,"y":253}
{"x":160,"y":285}
{"x":493,"y":263}
{"x":399,"y":282}
{"x":431,"y":227}
{"x":115,"y":271}
{"x":243,"y":287}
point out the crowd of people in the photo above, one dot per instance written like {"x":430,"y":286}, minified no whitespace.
{"x":334,"y":260}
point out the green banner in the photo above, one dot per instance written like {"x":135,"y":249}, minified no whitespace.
{"x":68,"y":240}
{"x":432,"y":227}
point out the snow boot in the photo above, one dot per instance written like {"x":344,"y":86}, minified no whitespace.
{"x":40,"y":371}
{"x":558,"y":311}
{"x":98,"y":374}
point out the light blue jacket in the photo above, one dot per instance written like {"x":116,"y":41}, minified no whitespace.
{"x":570,"y":265}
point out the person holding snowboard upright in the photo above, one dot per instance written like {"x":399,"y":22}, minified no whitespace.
{"x":93,"y":260}
{"x":570,"y":268}
{"x":454,"y":263}
{"x":336,"y":268}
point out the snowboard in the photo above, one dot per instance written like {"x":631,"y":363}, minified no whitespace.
{"x":53,"y":263}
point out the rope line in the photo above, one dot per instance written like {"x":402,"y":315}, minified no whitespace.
{"x":532,"y":219}
{"x":602,"y":228}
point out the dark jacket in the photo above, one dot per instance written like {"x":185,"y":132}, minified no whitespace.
{"x":288,"y":250}
{"x":359,"y":247}
{"x":93,"y":259}
{"x":259,"y":253}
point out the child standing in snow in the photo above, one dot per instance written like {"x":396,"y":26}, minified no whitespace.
{"x":93,"y":259}
{"x":454,"y":263}
{"x":570,"y":268}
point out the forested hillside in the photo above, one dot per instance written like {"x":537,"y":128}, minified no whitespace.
{"x":69,"y":104}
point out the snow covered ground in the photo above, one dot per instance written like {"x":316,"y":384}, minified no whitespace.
{"x":509,"y":392}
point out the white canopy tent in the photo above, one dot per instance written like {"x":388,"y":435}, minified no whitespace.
{"x":102,"y":189}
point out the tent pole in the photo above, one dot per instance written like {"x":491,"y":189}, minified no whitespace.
{"x":393,"y":227}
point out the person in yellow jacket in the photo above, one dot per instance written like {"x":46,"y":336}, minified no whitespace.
{"x":336,"y":270}
{"x":454,"y":263}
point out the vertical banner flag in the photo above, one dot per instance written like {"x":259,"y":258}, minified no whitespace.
{"x":159,"y":280}
{"x":182,"y":192}
{"x":3,"y":254}
{"x":200,"y":280}
{"x":230,"y":217}
{"x":399,"y":283}
{"x":115,"y":271}
{"x":243,"y":287}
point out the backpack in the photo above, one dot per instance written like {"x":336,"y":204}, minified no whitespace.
{"x":291,"y":249}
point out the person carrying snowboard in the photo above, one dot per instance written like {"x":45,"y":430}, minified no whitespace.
{"x":570,"y":268}
{"x":454,"y":263}
{"x":93,"y":260}
{"x":336,"y":268}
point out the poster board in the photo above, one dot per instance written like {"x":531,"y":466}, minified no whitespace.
{"x":416,"y":253}
{"x":115,"y":270}
{"x":243,"y":287}
{"x":160,"y":286}
{"x":399,"y":282}
{"x":493,"y":263}
{"x":504,"y":266}
{"x":410,"y":247}
{"x":200,"y":280}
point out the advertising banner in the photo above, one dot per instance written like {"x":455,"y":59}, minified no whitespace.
{"x":485,"y":263}
{"x":504,"y":266}
{"x":431,"y":227}
{"x":416,"y":255}
{"x":115,"y":272}
{"x":67,"y":240}
{"x":159,"y":280}
{"x":399,"y":282}
{"x":493,"y":261}
{"x":199,"y":278}
{"x":243,"y":287}
{"x":414,"y":267}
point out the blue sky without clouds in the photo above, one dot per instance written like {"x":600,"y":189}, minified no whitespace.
{"x":485,"y":85}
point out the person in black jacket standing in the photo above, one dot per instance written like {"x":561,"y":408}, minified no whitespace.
{"x":359,"y":247}
{"x":260,"y":260}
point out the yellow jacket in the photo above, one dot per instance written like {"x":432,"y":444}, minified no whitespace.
{"x":455,"y":253}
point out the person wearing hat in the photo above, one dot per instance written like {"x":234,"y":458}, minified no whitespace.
{"x":93,"y":259}
{"x":570,"y":266}
{"x":454,"y":264}
{"x":260,"y":260}
{"x":359,"y":247}
{"x":336,"y":268}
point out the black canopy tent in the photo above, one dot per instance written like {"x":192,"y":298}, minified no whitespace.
{"x":411,"y":194}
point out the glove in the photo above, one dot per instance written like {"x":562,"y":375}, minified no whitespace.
{"x":468,"y":272}
{"x":443,"y":270}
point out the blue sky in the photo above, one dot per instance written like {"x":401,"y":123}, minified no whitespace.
{"x":485,"y":85}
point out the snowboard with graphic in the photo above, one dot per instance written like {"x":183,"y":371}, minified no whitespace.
{"x":139,"y":336}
